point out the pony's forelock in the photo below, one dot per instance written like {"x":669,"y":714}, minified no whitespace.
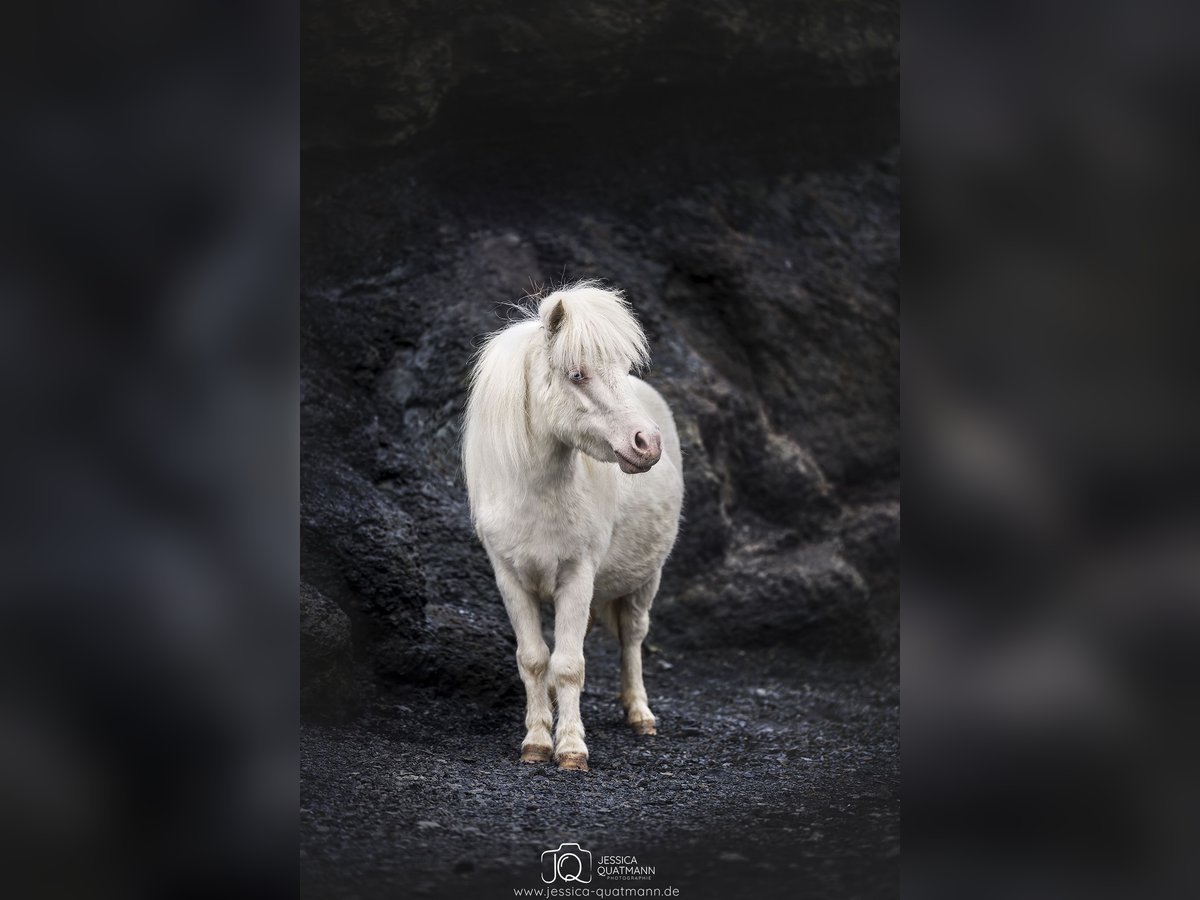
{"x":596,"y":326}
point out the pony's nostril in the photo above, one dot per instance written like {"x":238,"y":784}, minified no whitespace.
{"x":647,"y":444}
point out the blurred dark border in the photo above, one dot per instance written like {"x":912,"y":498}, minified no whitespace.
{"x":148,"y":478}
{"x":1051,"y":620}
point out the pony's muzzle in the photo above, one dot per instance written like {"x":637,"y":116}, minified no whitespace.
{"x":641,"y":453}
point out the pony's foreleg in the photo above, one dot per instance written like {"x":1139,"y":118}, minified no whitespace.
{"x":572,"y":604}
{"x":533,"y":660}
{"x":634,"y":620}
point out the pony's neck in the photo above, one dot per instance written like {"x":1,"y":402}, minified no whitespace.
{"x":552,"y":463}
{"x":508,"y":448}
{"x":553,"y":466}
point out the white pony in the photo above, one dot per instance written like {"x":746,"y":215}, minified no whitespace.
{"x":576,"y":485}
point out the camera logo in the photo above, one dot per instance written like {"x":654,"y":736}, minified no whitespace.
{"x":569,"y":862}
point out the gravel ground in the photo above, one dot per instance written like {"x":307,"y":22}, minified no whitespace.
{"x":770,"y":773}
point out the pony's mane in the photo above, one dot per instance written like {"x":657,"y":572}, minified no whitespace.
{"x":496,"y":428}
{"x":593,"y":325}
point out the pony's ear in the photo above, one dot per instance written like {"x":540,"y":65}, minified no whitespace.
{"x":555,"y":319}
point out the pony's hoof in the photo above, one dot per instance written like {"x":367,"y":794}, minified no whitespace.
{"x":577,"y":761}
{"x":535,"y":754}
{"x":643,"y":726}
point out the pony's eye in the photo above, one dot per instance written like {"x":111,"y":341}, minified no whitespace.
{"x":576,"y":376}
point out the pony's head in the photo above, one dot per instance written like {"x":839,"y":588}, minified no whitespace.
{"x":592,"y":343}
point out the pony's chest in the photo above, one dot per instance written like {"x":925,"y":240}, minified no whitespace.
{"x":537,"y":539}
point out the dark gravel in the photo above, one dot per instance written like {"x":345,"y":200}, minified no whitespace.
{"x":769,"y":772}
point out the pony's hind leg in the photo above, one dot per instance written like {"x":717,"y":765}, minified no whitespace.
{"x":533,"y":661}
{"x":634,"y":620}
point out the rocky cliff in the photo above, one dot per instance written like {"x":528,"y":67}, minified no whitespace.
{"x":734,"y":171}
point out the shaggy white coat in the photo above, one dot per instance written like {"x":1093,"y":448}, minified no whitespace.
{"x":554,"y":423}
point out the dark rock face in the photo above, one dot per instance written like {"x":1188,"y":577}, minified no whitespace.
{"x":327,"y":689}
{"x":377,"y":72}
{"x":748,"y":207}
